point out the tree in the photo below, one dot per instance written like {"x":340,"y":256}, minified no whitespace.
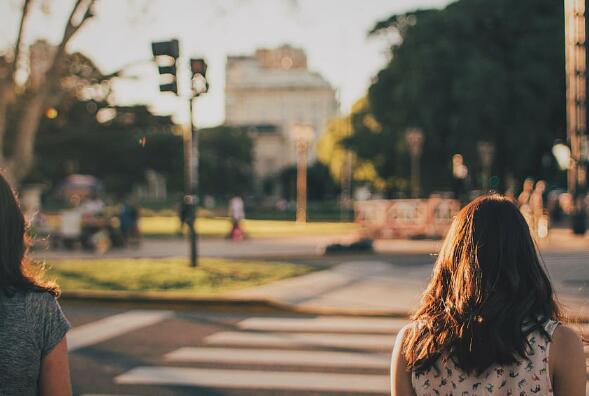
{"x":478,"y":70}
{"x":320,"y":184}
{"x":333,"y":147}
{"x":118,"y":150}
{"x":225,"y":166}
{"x":18,"y":160}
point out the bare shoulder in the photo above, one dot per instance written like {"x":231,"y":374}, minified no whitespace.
{"x":405,"y":330}
{"x":566,"y":339}
{"x":400,"y":341}
{"x":567,"y":362}
{"x":400,"y":373}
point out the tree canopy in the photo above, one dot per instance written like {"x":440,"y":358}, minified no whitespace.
{"x":478,"y":70}
{"x":225,"y":161}
{"x":332,"y":148}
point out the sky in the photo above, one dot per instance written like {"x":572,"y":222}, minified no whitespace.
{"x":332,"y":32}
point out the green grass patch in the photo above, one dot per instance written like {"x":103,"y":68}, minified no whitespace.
{"x":212,"y":276}
{"x":219,"y":227}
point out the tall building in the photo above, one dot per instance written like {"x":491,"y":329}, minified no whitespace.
{"x":271,"y":91}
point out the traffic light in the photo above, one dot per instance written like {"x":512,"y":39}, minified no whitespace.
{"x":166,"y":54}
{"x":198,"y":68}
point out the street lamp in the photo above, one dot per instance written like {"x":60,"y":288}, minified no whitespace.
{"x":562,"y":153}
{"x":302,"y":135}
{"x":414,"y":138}
{"x":566,"y":161}
{"x":486,"y":153}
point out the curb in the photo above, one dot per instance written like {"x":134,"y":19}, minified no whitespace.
{"x":158,"y":300}
{"x":179,"y":302}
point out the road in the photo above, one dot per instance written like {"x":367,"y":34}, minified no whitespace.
{"x":122,"y":352}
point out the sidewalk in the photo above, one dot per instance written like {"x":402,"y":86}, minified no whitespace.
{"x":362,"y":287}
{"x":176,"y":247}
{"x":394,"y":288}
{"x":559,"y":240}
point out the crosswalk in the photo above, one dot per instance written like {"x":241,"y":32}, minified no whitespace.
{"x":283,"y":354}
{"x":300,"y":355}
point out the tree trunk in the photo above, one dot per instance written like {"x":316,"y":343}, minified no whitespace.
{"x":7,"y":81}
{"x":4,"y":95}
{"x":22,"y":160}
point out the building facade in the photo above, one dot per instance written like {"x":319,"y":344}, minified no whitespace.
{"x":270,"y":92}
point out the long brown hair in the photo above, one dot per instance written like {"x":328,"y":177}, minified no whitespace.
{"x":16,"y":273}
{"x":487,"y":293}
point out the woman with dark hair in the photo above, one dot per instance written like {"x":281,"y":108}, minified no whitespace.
{"x":33,"y":358}
{"x":488,"y":323}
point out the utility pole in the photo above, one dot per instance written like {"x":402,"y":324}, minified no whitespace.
{"x":347,"y":175}
{"x":303,"y":135}
{"x":414,"y":139}
{"x":486,"y":153}
{"x":576,"y":65}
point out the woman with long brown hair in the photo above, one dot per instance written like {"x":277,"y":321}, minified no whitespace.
{"x":488,"y":323}
{"x":33,"y":349}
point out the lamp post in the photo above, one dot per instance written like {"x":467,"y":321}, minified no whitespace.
{"x":302,"y":135}
{"x":566,"y":161}
{"x":414,"y":138}
{"x":459,"y":173}
{"x":575,"y":69}
{"x":486,"y":153}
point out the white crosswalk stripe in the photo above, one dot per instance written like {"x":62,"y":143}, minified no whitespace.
{"x":253,"y":379}
{"x":309,"y":340}
{"x":113,"y":326}
{"x":325,"y":324}
{"x":279,"y":356}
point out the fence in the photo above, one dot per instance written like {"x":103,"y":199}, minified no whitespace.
{"x":406,"y":218}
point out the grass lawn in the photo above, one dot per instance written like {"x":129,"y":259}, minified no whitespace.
{"x":212,"y":276}
{"x":219,"y":227}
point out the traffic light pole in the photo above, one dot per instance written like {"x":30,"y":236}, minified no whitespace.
{"x":193,"y":187}
{"x":166,"y":54}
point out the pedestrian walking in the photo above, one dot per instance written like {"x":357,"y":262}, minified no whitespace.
{"x":539,"y":219}
{"x":129,"y":218}
{"x":526,"y":194}
{"x":237,"y":214}
{"x":33,"y":328}
{"x":489,"y":322}
{"x":524,"y":200}
{"x":186,"y":213}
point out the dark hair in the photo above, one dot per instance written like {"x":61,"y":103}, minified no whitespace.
{"x":488,"y":292}
{"x":16,"y":273}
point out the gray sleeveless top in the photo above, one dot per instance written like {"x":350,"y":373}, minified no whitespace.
{"x":31,"y":325}
{"x":524,"y":378}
